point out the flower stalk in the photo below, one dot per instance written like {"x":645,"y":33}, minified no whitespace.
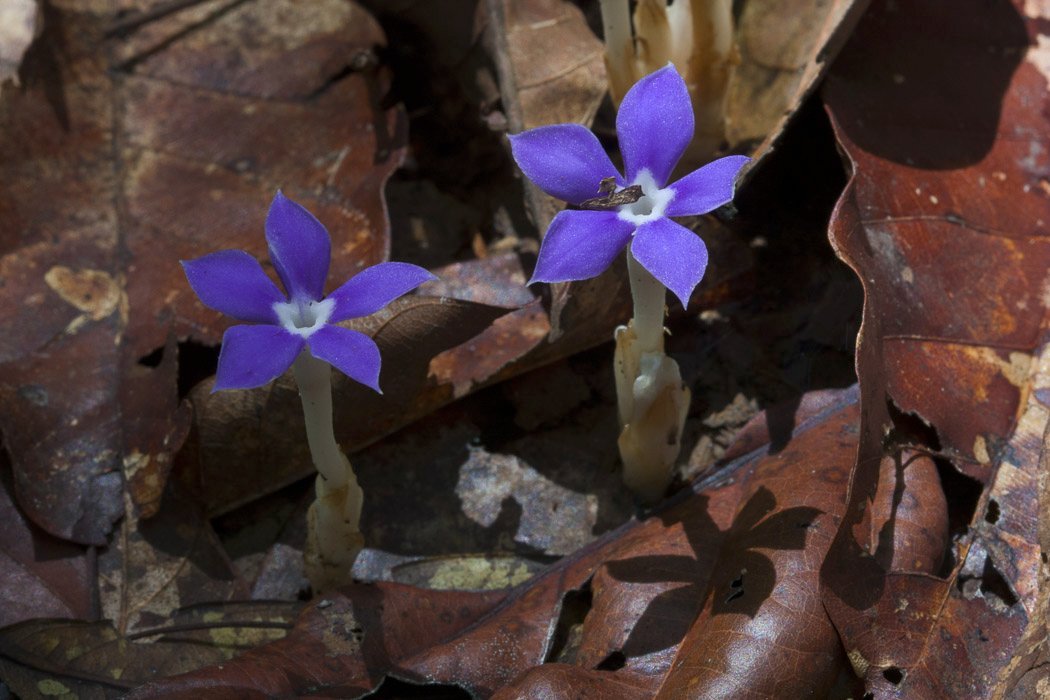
{"x":697,"y":36}
{"x":334,"y":535}
{"x":651,"y":400}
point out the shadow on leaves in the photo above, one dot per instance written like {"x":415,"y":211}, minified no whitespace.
{"x":740,"y":579}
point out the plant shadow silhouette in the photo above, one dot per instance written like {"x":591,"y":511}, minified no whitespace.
{"x":725,"y":565}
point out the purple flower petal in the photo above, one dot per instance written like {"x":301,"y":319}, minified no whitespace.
{"x":252,"y":356}
{"x":673,"y":254}
{"x":300,"y":248}
{"x":233,"y":282}
{"x":707,"y":188}
{"x":655,"y":124}
{"x":373,"y":288}
{"x":352,"y":353}
{"x":580,"y":245}
{"x":564,"y":160}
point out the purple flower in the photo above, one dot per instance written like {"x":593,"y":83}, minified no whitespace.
{"x":233,"y":282}
{"x":654,"y":125}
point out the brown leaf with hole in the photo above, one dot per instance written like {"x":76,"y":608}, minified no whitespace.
{"x":139,"y":140}
{"x":945,"y":222}
{"x":739,"y":555}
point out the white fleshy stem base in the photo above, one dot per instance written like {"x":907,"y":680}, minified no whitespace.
{"x":334,"y":536}
{"x":651,"y":401}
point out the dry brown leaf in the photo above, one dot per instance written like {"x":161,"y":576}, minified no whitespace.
{"x":945,"y":220}
{"x":42,"y":658}
{"x":40,"y":575}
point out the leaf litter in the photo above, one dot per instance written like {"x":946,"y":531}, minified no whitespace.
{"x":720,"y":591}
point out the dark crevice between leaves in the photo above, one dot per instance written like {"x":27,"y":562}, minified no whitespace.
{"x":613,"y":662}
{"x":361,"y":61}
{"x":197,"y":362}
{"x":797,"y":331}
{"x":568,"y":631}
{"x":393,"y":688}
{"x":42,"y":63}
{"x":962,"y":493}
{"x":458,"y":187}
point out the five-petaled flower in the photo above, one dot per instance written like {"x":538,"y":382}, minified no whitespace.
{"x":654,"y":126}
{"x":233,"y":282}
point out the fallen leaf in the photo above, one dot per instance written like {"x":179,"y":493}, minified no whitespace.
{"x":785,"y":49}
{"x":157,"y":565}
{"x":41,"y":576}
{"x":564,"y":681}
{"x":551,"y":70}
{"x":329,"y":650}
{"x":91,"y":659}
{"x":945,"y":224}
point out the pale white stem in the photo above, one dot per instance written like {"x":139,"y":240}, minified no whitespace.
{"x":314,"y":378}
{"x":334,"y":520}
{"x":619,"y":46}
{"x":651,"y":400}
{"x":616,"y":21}
{"x":697,"y":36}
{"x":654,"y":40}
{"x":710,"y":64}
{"x":649,"y":298}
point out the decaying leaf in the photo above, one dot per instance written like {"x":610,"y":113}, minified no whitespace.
{"x":945,"y":222}
{"x":330,"y":649}
{"x":42,"y":658}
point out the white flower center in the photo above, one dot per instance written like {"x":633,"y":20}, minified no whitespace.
{"x":304,"y":318}
{"x":652,"y":204}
